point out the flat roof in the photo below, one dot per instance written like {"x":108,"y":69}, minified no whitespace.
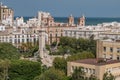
{"x":97,"y":62}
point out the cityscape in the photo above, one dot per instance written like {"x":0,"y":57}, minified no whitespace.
{"x":43,"y":48}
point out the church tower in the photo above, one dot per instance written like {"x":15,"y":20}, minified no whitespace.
{"x":70,"y":20}
{"x":81,"y":21}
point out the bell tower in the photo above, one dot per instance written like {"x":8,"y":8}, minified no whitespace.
{"x":81,"y":21}
{"x":71,"y":20}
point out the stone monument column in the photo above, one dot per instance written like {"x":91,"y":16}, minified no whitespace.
{"x":41,"y":43}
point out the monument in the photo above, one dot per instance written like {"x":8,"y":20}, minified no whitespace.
{"x":41,"y":43}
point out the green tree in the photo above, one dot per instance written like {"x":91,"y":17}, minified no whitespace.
{"x":4,"y":65}
{"x":108,"y":76}
{"x":52,"y":74}
{"x":92,"y":77}
{"x":75,"y":45}
{"x":8,"y":51}
{"x":78,"y":74}
{"x":24,"y":70}
{"x":28,"y":49}
{"x":82,"y":55}
{"x":61,"y":64}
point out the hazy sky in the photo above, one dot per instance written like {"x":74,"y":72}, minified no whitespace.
{"x":90,"y":8}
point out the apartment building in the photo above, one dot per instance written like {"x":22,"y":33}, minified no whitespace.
{"x":83,"y":32}
{"x":6,"y":15}
{"x":18,"y":35}
{"x":109,"y":49}
{"x":95,"y":67}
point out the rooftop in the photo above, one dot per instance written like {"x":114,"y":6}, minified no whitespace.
{"x":97,"y":62}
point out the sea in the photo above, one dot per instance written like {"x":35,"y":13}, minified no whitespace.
{"x":89,"y":20}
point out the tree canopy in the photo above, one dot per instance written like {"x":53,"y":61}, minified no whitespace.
{"x":24,"y":70}
{"x":4,"y":65}
{"x":51,"y":74}
{"x":68,"y":45}
{"x":8,"y":51}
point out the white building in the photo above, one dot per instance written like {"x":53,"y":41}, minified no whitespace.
{"x":6,"y":15}
{"x":2,"y":28}
{"x":18,"y":35}
{"x":19,"y":22}
{"x":32,"y":22}
{"x":84,"y":32}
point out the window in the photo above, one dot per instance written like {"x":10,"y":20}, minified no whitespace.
{"x":111,"y":56}
{"x":104,"y":48}
{"x":18,"y":36}
{"x":104,"y":56}
{"x":111,"y":49}
{"x":19,"y":41}
{"x":22,"y":40}
{"x":93,"y":71}
{"x":118,"y":57}
{"x":118,"y":50}
{"x":15,"y":36}
{"x":15,"y":41}
{"x":27,"y":40}
{"x":34,"y":31}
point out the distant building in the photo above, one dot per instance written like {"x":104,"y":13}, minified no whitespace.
{"x":6,"y":15}
{"x":45,"y":19}
{"x":81,"y":21}
{"x":19,"y":22}
{"x":71,"y":20}
{"x":83,"y":32}
{"x":33,"y":22}
{"x":110,"y":35}
{"x":108,"y":49}
{"x":2,"y":28}
{"x":95,"y":67}
{"x":18,"y":35}
{"x":54,"y":33}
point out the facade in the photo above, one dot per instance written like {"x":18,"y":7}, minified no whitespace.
{"x":71,"y":21}
{"x":95,"y":67}
{"x":45,"y":19}
{"x":33,"y":22}
{"x":86,"y":33}
{"x":2,"y":28}
{"x":54,"y":33}
{"x":19,"y":22}
{"x":6,"y":15}
{"x":81,"y":21}
{"x":109,"y":49}
{"x":110,"y":35}
{"x":18,"y":35}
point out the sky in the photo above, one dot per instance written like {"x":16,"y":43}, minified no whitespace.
{"x":64,"y":8}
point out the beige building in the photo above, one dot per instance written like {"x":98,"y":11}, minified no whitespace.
{"x":54,"y":33}
{"x":81,"y":21}
{"x":6,"y":15}
{"x":109,"y":49}
{"x":71,"y":21}
{"x":96,"y":67}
